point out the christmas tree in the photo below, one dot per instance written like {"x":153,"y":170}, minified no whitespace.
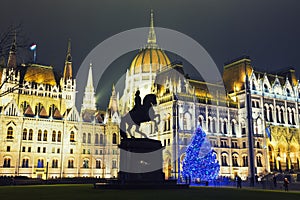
{"x":200,"y":162}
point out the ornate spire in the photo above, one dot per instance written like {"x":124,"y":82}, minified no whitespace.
{"x":151,"y":36}
{"x":68,"y":63}
{"x":113,"y":109}
{"x":89,"y":100}
{"x":12,"y":58}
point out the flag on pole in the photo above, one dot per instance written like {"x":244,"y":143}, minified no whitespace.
{"x":268,"y":131}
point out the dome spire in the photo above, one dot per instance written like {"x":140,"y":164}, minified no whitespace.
{"x":152,"y":36}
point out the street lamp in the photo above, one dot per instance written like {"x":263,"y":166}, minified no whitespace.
{"x":33,"y":48}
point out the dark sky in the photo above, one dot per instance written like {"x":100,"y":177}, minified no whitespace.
{"x":268,"y":31}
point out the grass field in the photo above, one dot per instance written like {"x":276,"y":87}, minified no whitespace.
{"x":82,"y":192}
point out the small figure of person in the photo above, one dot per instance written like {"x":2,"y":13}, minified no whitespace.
{"x":238,"y":181}
{"x":275,"y":181}
{"x":256,"y":178}
{"x":137,"y":101}
{"x":286,"y":184}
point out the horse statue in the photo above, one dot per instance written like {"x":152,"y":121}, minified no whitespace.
{"x":139,"y":114}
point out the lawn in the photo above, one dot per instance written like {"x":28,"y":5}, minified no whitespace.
{"x":82,"y":192}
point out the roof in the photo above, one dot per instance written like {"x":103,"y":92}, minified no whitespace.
{"x":40,"y":74}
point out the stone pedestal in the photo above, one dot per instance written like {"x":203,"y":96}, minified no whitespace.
{"x":141,"y":161}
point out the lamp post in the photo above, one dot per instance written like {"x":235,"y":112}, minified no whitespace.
{"x":47,"y":166}
{"x":33,"y":48}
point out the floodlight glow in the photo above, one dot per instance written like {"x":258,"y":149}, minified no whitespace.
{"x":33,"y":47}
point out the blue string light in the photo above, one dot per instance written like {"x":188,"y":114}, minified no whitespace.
{"x":200,"y":161}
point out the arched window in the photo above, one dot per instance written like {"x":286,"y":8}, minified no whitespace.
{"x":209,"y":125}
{"x":233,"y":128}
{"x":25,"y":163}
{"x":89,"y":138}
{"x":53,"y":136}
{"x":224,"y":160}
{"x":200,"y":121}
{"x":101,"y":139}
{"x":30,"y":134}
{"x":10,"y":132}
{"x":84,"y":138}
{"x":6,"y":162}
{"x":282,"y":115}
{"x":114,"y":164}
{"x":245,"y":161}
{"x":213,"y":125}
{"x":72,"y":136}
{"x":54,"y":163}
{"x":288,"y":92}
{"x":59,"y":136}
{"x":114,"y":138}
{"x":266,"y":110}
{"x":98,"y":164}
{"x":70,"y":163}
{"x":225,"y":127}
{"x":277,"y":114}
{"x":271,"y":114}
{"x":24,"y":134}
{"x":85,"y":164}
{"x":45,"y":136}
{"x":97,"y":138}
{"x":266,"y":89}
{"x":293,"y":117}
{"x":258,"y":161}
{"x":235,"y":161}
{"x":40,"y":163}
{"x":39,"y":135}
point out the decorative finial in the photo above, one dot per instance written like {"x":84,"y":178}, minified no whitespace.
{"x":69,"y":57}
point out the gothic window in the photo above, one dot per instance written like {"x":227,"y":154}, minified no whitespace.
{"x":233,"y":128}
{"x":86,"y":164}
{"x":84,"y":138}
{"x":30,"y":134}
{"x":200,"y":121}
{"x":25,"y":163}
{"x":208,"y":125}
{"x":45,"y":136}
{"x":10,"y":132}
{"x":293,"y":117}
{"x":277,"y":114}
{"x":266,"y":89}
{"x":243,"y":126}
{"x":39,"y":135}
{"x":53,"y":136}
{"x":266,"y":110}
{"x":114,"y":138}
{"x":213,"y":125}
{"x":282,"y":115}
{"x":288,"y":92}
{"x":70,"y":163}
{"x":98,"y":164}
{"x":6,"y":162}
{"x":245,"y":161}
{"x":97,"y":138}
{"x":114,"y":164}
{"x":224,"y":160}
{"x":24,"y":134}
{"x":72,"y":136}
{"x":235,"y":161}
{"x":89,"y":138}
{"x":40,"y":163}
{"x":258,"y":161}
{"x":101,"y":139}
{"x":271,"y":114}
{"x":59,"y":136}
{"x":225,"y":127}
{"x":54,"y":163}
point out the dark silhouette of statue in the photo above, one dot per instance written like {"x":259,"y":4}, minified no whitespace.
{"x":139,"y":114}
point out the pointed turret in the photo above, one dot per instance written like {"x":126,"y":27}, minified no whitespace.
{"x":12,"y":58}
{"x":68,"y":63}
{"x":89,"y":100}
{"x":113,"y":114}
{"x":151,"y":42}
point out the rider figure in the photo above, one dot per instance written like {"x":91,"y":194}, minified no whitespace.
{"x":137,"y":101}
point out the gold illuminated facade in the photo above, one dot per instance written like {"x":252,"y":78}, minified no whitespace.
{"x":42,"y":133}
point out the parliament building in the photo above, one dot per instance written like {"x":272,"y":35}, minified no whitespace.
{"x":43,"y":134}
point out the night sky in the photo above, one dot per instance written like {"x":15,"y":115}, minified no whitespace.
{"x":268,"y":31}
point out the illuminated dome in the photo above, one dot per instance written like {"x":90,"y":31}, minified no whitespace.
{"x":149,"y":59}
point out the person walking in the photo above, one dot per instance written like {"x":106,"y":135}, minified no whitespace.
{"x":238,"y":182}
{"x":286,"y":184}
